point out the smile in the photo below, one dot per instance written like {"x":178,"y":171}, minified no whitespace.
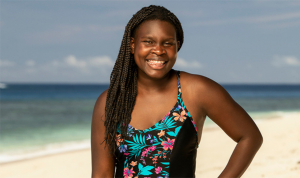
{"x":156,"y":64}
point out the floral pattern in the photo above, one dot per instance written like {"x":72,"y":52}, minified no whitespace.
{"x":148,"y":151}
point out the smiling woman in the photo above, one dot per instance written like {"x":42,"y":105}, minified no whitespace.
{"x":154,"y":47}
{"x":141,"y":125}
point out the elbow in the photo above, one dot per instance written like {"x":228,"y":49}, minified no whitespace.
{"x":256,"y":140}
{"x":260,"y":139}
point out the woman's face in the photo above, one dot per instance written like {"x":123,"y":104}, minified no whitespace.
{"x":154,"y":47}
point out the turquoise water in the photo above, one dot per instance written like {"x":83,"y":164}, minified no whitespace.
{"x":34,"y":116}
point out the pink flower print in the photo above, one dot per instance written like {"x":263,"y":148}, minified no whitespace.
{"x":144,"y":153}
{"x":128,"y":173}
{"x":158,"y":170}
{"x":168,"y":144}
{"x":168,"y":114}
{"x":152,"y":148}
{"x":181,"y":117}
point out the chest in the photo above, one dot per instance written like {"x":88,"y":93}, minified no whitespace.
{"x":148,"y":110}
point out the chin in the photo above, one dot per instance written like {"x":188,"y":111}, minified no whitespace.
{"x":157,"y":74}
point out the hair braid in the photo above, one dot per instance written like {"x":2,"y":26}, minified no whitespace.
{"x":122,"y":90}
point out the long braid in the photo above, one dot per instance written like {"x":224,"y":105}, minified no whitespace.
{"x":122,"y":91}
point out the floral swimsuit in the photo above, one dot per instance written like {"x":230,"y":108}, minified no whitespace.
{"x":167,"y":149}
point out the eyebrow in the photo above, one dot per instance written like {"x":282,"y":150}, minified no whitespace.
{"x":171,"y":38}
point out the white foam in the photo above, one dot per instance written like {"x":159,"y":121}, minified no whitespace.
{"x":3,"y":85}
{"x":45,"y":150}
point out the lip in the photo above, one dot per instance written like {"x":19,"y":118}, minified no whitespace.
{"x":156,"y":63}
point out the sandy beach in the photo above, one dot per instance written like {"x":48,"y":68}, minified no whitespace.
{"x":279,"y":155}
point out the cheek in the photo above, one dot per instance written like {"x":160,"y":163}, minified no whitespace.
{"x":141,"y":52}
{"x":172,"y":53}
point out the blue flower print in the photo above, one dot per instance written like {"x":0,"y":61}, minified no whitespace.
{"x":149,"y":137}
{"x":153,"y":140}
{"x":123,"y":148}
{"x":178,"y":108}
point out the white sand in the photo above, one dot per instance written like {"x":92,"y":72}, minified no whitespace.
{"x":279,"y":155}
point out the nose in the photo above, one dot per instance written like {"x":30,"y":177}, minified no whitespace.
{"x":158,"y":49}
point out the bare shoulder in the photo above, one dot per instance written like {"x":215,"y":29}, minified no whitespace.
{"x":99,"y":107}
{"x":198,"y":84}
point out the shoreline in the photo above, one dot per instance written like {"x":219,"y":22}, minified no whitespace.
{"x":276,"y":158}
{"x":50,"y":149}
{"x":70,"y":146}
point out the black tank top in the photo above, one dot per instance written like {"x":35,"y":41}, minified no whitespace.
{"x":167,"y":149}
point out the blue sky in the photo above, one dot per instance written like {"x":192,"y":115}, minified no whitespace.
{"x":78,"y":41}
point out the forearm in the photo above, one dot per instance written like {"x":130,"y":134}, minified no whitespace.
{"x":241,"y":157}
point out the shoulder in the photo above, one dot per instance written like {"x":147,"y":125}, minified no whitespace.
{"x":199,"y":84}
{"x":202,"y":89}
{"x":99,"y":108}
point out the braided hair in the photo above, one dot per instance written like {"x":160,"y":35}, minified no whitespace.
{"x":122,"y":91}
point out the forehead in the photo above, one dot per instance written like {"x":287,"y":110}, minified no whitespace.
{"x":155,"y":27}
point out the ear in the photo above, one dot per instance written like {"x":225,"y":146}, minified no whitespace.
{"x":178,"y":44}
{"x":132,"y":45}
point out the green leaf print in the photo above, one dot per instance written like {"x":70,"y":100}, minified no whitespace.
{"x":167,"y":124}
{"x":174,"y":134}
{"x":138,"y":142}
{"x":165,"y":163}
{"x":145,"y":170}
{"x":135,"y":153}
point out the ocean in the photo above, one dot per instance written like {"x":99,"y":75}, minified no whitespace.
{"x":41,"y":119}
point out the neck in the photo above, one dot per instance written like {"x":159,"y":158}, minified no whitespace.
{"x":148,"y":84}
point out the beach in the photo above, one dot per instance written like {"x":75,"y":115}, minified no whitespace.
{"x":278,"y":156}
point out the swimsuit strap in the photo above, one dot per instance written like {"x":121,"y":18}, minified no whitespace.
{"x":182,"y":104}
{"x":178,"y":80}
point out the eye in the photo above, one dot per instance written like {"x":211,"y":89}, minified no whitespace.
{"x":168,"y":44}
{"x":147,"y":42}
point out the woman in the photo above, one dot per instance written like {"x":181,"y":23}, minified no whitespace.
{"x":133,"y":128}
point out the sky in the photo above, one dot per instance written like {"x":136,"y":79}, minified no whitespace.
{"x":231,"y":42}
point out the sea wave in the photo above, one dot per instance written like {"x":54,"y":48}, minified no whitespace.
{"x":49,"y":149}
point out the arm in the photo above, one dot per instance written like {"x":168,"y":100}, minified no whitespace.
{"x":103,"y":163}
{"x":236,"y":123}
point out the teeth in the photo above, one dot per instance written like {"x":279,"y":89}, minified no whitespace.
{"x":156,"y":62}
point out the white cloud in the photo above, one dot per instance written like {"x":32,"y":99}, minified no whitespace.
{"x":6,"y":63}
{"x":68,"y":69}
{"x":101,"y":61}
{"x":30,"y":63}
{"x":279,"y":61}
{"x":182,"y":63}
{"x":72,"y":61}
{"x":84,"y":65}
